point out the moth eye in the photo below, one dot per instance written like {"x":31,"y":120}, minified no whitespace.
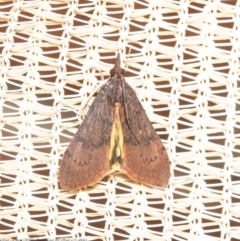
{"x":122,"y":71}
{"x":112,"y":72}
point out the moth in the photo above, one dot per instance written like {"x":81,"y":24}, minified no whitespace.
{"x":116,"y":134}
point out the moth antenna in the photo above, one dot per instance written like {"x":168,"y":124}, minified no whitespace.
{"x":117,"y":63}
{"x":127,"y":59}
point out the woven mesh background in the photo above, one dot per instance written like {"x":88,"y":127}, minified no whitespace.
{"x":184,"y":67}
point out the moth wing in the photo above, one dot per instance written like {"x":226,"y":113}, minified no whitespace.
{"x":145,"y":160}
{"x":86,"y":160}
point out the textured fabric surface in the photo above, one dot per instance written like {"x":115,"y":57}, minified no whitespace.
{"x":182,"y":59}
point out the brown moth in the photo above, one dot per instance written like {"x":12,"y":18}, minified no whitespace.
{"x":116,"y":134}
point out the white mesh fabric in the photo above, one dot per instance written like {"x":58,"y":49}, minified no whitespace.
{"x":184,"y":66}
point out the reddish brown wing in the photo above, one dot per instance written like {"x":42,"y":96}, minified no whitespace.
{"x":86,"y":160}
{"x":145,"y":160}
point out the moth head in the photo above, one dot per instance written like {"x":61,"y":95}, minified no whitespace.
{"x":117,"y":70}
